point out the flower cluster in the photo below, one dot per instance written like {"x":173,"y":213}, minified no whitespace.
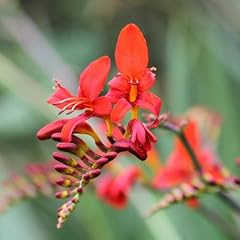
{"x":128,"y":92}
{"x":180,"y":176}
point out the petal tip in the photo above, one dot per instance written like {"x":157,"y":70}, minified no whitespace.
{"x":131,"y":52}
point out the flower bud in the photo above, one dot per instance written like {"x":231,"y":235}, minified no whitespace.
{"x":66,"y":147}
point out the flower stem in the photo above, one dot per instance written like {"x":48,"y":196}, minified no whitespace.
{"x":179,"y":132}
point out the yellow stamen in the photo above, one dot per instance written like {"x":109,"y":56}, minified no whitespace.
{"x":133,"y":92}
{"x":134,"y":113}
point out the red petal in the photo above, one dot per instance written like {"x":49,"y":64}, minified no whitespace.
{"x":115,"y":95}
{"x":126,"y":179}
{"x":178,"y":170}
{"x":122,"y":184}
{"x":138,"y":132}
{"x":93,"y":78}
{"x":169,"y":178}
{"x":102,"y":106}
{"x":70,"y":126}
{"x":103,"y":186}
{"x":192,"y":134}
{"x":120,"y":109}
{"x":53,"y":127}
{"x":131,"y":53}
{"x":104,"y":190}
{"x":120,"y":83}
{"x":150,"y":102}
{"x":61,"y":93}
{"x":150,"y":135}
{"x":146,"y":81}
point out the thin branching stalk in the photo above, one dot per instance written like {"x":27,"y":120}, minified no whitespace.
{"x":178,"y":131}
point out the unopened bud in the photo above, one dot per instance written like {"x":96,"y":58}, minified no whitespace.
{"x":67,"y":147}
{"x":65,"y":159}
{"x":110,"y":155}
{"x":66,"y":182}
{"x":51,"y":128}
{"x":56,"y":137}
{"x":91,"y":174}
{"x":101,"y":162}
{"x":63,"y":194}
{"x":67,"y":171}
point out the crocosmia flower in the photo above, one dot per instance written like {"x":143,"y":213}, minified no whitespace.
{"x":78,"y":162}
{"x":115,"y":190}
{"x":180,"y":169}
{"x":91,"y":83}
{"x":130,"y":87}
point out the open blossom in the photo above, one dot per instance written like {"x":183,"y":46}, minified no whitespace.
{"x":115,"y":190}
{"x":180,"y":169}
{"x":130,"y":87}
{"x":91,"y":83}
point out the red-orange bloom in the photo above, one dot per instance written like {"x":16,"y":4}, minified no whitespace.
{"x":130,"y":87}
{"x":91,"y":83}
{"x":179,"y":168}
{"x":115,"y":190}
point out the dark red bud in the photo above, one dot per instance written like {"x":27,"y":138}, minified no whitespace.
{"x":79,"y":190}
{"x":110,"y":155}
{"x":121,"y":146}
{"x":91,"y":174}
{"x":63,"y":194}
{"x":66,"y":182}
{"x":65,"y":159}
{"x":101,"y":162}
{"x":67,"y":147}
{"x":56,"y":137}
{"x":67,"y":170}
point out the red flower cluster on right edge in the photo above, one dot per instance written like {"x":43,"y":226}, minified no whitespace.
{"x":129,"y":92}
{"x":180,"y":169}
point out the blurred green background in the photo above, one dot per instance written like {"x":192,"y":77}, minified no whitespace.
{"x":195,"y":45}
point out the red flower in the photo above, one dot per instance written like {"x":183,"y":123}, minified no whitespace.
{"x":91,"y":83}
{"x":115,"y":191}
{"x":179,"y":168}
{"x":130,"y":87}
{"x":141,"y":136}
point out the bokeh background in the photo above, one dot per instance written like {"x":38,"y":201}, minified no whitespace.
{"x":195,"y":45}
